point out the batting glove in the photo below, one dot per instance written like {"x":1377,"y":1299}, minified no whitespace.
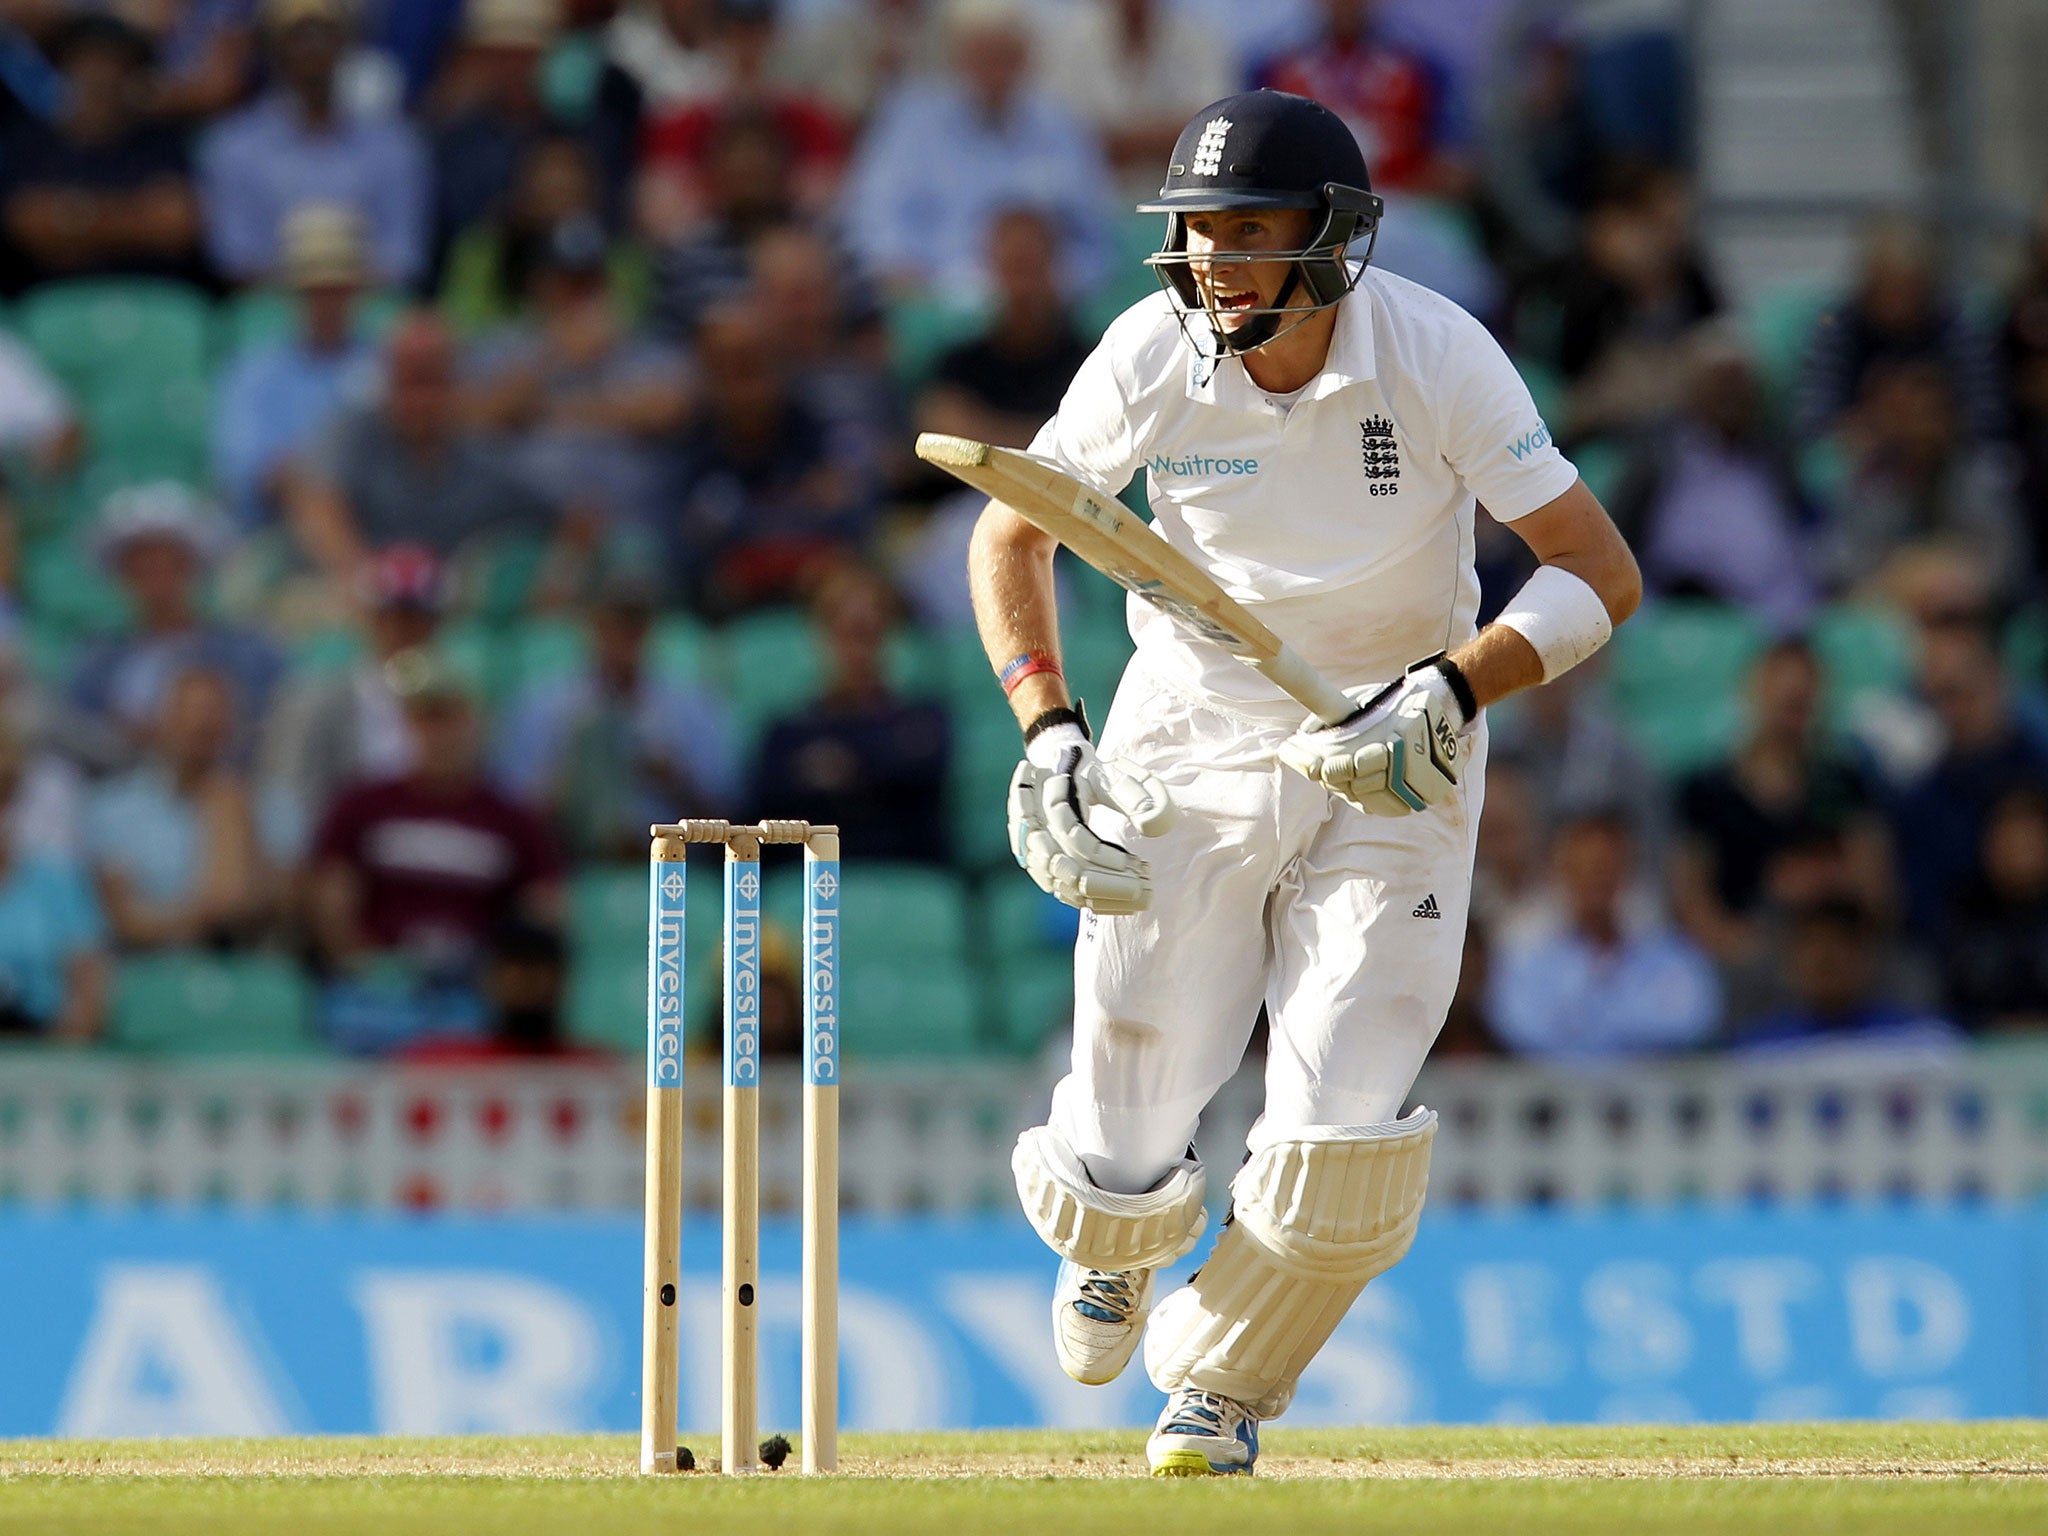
{"x":1399,"y":754}
{"x":1060,"y":781}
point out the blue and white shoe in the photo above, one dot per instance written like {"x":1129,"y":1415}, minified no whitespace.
{"x":1201,"y":1434}
{"x":1098,"y":1316}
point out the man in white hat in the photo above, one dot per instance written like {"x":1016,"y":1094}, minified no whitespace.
{"x":275,"y":394}
{"x":158,"y":542}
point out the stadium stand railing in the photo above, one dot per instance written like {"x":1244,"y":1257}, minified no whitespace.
{"x":323,"y":1134}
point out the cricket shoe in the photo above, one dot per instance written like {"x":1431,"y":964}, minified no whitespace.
{"x":1098,"y":1316}
{"x":1200,"y":1434}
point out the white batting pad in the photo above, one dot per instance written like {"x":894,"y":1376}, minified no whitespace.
{"x":1315,"y":1216}
{"x":1098,"y":1228}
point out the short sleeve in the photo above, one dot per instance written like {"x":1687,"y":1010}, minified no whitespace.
{"x":1492,"y":434}
{"x":75,"y":911}
{"x":1090,"y":437}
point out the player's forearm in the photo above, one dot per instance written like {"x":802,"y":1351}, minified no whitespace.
{"x":1009,"y":572}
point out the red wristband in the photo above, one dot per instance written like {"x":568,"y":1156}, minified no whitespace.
{"x":1027,"y":665}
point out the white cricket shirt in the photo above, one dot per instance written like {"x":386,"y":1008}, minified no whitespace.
{"x":1344,"y":520}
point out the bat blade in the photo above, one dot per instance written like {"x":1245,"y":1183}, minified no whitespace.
{"x":1118,"y":543}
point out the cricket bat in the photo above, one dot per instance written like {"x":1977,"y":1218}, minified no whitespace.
{"x":1119,"y":543}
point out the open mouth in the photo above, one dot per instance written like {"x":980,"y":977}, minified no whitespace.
{"x":1234,"y":301}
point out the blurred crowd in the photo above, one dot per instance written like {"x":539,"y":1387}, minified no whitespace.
{"x":401,"y":399}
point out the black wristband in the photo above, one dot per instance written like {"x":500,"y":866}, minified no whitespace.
{"x":1454,"y":675}
{"x":1077,"y":715}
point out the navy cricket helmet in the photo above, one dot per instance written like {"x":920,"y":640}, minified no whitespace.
{"x":1268,"y":149}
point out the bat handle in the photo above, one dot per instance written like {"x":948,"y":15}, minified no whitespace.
{"x":1313,"y":691}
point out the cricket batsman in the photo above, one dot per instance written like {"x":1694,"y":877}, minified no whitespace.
{"x":1317,"y":435}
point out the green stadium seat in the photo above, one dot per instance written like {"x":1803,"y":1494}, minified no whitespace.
{"x":1677,"y":671}
{"x":99,"y":330}
{"x":1865,"y":652}
{"x":888,"y":912}
{"x":1020,"y":920}
{"x":769,"y":665}
{"x":2026,"y":646}
{"x":985,"y":753}
{"x":680,"y":649}
{"x":1781,"y":323}
{"x":1602,"y":463}
{"x":327,"y":651}
{"x":921,"y":331}
{"x":607,"y":1002}
{"x":1034,"y":1000}
{"x":134,"y":355}
{"x":63,"y":586}
{"x":266,"y":315}
{"x":193,"y":1005}
{"x":909,"y":1013}
{"x":493,"y":577}
{"x":548,"y":650}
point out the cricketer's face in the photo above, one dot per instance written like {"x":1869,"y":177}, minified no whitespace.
{"x":1235,"y":291}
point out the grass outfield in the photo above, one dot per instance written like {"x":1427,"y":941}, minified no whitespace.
{"x":1809,"y":1478}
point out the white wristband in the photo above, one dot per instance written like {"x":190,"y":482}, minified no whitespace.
{"x":1560,"y":616}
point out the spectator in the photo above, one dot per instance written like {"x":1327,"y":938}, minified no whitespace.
{"x":2025,"y":347}
{"x":38,"y":431}
{"x":779,"y":1012}
{"x":176,"y":850}
{"x":1987,"y":751}
{"x":206,"y":55}
{"x":665,"y":48}
{"x":1136,"y":71}
{"x":616,"y":747}
{"x":404,"y":467}
{"x":1710,"y":506}
{"x":489,"y":272}
{"x":158,"y":541}
{"x":1567,"y":742}
{"x":1604,"y":978}
{"x":943,"y":157}
{"x":581,"y":401}
{"x":1399,"y":103}
{"x":1783,"y":787}
{"x":1003,"y":385}
{"x":53,"y":964}
{"x":1914,"y":473}
{"x":97,"y":191}
{"x":45,"y":809}
{"x":275,"y":396}
{"x":328,"y":732}
{"x":487,"y":112}
{"x":1627,"y":301}
{"x":763,"y":491}
{"x":860,"y":756}
{"x":824,"y":326}
{"x":854,"y":56}
{"x":432,"y":863}
{"x":302,"y":144}
{"x":1508,"y":872}
{"x":747,"y":193}
{"x":1897,"y":315}
{"x":1995,"y":958}
{"x":674,"y":186}
{"x":525,"y":977}
{"x":1832,"y":968}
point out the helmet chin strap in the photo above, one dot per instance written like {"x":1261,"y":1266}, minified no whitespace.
{"x":1263,"y":329}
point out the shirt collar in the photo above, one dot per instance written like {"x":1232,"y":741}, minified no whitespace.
{"x":1223,"y":381}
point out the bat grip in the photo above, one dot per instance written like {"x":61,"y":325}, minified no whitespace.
{"x":1313,"y":691}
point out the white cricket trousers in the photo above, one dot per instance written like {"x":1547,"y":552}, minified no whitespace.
{"x":1267,"y":888}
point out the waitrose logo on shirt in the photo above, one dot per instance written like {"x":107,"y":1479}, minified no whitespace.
{"x":1200,"y":464}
